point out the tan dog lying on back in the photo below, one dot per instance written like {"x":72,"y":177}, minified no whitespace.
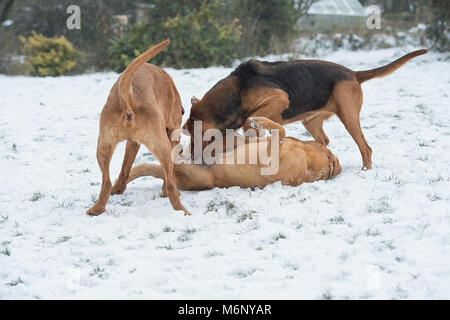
{"x":299,"y":162}
{"x":143,"y":107}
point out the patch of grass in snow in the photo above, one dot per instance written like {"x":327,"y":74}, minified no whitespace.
{"x":327,"y":295}
{"x":36,"y":196}
{"x":336,"y":220}
{"x":421,"y":108}
{"x":246,"y":216}
{"x":213,"y":253}
{"x":291,"y":266}
{"x":425,"y":144}
{"x":230,"y":207}
{"x":63,"y":239}
{"x":388,"y":220}
{"x":244,"y":274}
{"x":127,"y":204}
{"x":186,"y":234}
{"x":99,"y":272}
{"x":423,"y":158}
{"x":14,"y":283}
{"x":389,"y":244}
{"x":382,"y":206}
{"x":166,"y":247}
{"x":151,"y":236}
{"x":86,"y":170}
{"x":401,"y":293}
{"x":14,"y":147}
{"x":17,"y":233}
{"x":395,"y":179}
{"x":168,"y":229}
{"x":279,"y":236}
{"x":434,"y":196}
{"x":6,"y":251}
{"x":373,"y":232}
{"x":437,"y":179}
{"x":3,"y":219}
{"x":94,"y":197}
{"x":353,"y":238}
{"x":66,"y":204}
{"x":98,"y":241}
{"x":298,"y":225}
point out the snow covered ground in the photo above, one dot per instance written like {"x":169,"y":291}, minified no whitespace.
{"x":384,"y":233}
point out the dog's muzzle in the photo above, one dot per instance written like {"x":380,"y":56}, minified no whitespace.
{"x":128,"y":116}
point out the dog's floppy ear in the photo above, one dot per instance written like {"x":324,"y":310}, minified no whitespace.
{"x":194,"y":100}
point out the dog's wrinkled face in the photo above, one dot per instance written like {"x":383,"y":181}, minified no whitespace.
{"x":198,"y":122}
{"x":334,"y":165}
{"x":323,"y":160}
{"x":198,"y":114}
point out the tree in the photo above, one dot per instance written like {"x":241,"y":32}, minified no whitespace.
{"x":267,"y":22}
{"x":439,"y":29}
{"x":6,"y":10}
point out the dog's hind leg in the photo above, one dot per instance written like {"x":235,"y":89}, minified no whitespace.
{"x":128,"y":160}
{"x":349,"y":102}
{"x":105,"y":150}
{"x":315,"y":128}
{"x":272,"y":126}
{"x":174,"y":142}
{"x":160,"y":146}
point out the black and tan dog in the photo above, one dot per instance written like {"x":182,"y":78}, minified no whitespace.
{"x":143,"y":107}
{"x":310,"y":91}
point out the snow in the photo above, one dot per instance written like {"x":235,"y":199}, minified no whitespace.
{"x":380,"y":234}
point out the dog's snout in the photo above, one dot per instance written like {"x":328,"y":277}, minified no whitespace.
{"x":129,"y":116}
{"x":335,"y":167}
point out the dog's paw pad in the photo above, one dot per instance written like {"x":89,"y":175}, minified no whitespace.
{"x":254,"y":123}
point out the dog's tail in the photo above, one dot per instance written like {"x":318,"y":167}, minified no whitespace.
{"x":125,"y":90}
{"x":363,"y":76}
{"x":144,"y":170}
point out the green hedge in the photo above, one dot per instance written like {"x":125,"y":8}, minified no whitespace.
{"x":199,"y":38}
{"x":49,"y":56}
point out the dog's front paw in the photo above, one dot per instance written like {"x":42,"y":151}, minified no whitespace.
{"x":255,"y":123}
{"x":95,"y":211}
{"x":258,"y":123}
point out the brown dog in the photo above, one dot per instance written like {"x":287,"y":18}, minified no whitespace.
{"x":299,"y":162}
{"x":143,"y":107}
{"x":310,"y":91}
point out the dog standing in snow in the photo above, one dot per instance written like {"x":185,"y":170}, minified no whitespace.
{"x":143,"y":107}
{"x":310,"y":91}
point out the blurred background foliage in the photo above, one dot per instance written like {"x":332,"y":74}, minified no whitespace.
{"x":203,"y":32}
